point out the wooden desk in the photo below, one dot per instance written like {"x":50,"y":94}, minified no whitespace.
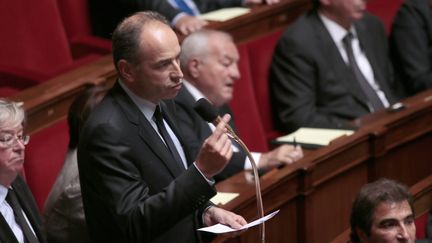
{"x":315,"y":194}
{"x":263,"y":20}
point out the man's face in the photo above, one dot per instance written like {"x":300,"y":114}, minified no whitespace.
{"x":217,"y":72}
{"x":11,"y":157}
{"x":158,"y":75}
{"x":345,"y":12}
{"x":392,"y":222}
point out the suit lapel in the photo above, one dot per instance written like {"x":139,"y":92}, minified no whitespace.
{"x":24,"y":199}
{"x":343,"y":71}
{"x":146,"y":131}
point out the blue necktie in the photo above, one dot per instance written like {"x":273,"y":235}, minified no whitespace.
{"x":184,"y":7}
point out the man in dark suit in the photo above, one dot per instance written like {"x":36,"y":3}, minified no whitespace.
{"x":411,"y":45}
{"x":330,"y":67}
{"x":209,"y":62}
{"x":106,"y":14}
{"x":19,"y":217}
{"x":138,"y":182}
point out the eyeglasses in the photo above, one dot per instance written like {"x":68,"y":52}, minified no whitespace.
{"x":10,"y":140}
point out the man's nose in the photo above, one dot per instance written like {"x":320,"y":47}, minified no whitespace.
{"x":235,"y":73}
{"x":176,"y":72}
{"x":403,"y":233}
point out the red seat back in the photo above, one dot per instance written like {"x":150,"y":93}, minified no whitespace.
{"x":34,"y":38}
{"x":260,"y":56}
{"x":244,"y":107}
{"x":421,"y":224}
{"x":385,"y":10}
{"x":44,"y":158}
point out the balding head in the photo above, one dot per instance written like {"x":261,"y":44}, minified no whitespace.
{"x":126,"y":37}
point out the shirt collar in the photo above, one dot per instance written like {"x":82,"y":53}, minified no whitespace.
{"x":146,"y":107}
{"x":336,"y":31}
{"x":3,"y":193}
{"x":196,"y":94}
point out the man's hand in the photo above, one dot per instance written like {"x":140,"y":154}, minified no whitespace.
{"x":216,"y":151}
{"x":256,"y":2}
{"x":188,"y":24}
{"x":215,"y":215}
{"x":285,"y":154}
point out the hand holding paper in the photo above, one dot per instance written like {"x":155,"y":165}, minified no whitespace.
{"x":220,"y":228}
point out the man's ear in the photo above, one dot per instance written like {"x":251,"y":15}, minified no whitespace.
{"x":193,"y":66}
{"x":126,"y":70}
{"x":362,"y":235}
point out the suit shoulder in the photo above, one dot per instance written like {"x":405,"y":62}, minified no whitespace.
{"x":301,"y":28}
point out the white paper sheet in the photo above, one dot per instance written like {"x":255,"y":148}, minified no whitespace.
{"x":220,"y":228}
{"x":224,"y":14}
{"x":223,"y":197}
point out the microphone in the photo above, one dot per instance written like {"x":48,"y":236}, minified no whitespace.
{"x":208,"y":112}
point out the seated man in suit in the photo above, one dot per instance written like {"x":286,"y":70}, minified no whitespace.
{"x":209,"y":62}
{"x":410,"y":45}
{"x":138,"y":180}
{"x":19,"y":216}
{"x":383,"y":212}
{"x":330,"y":67}
{"x":181,"y":13}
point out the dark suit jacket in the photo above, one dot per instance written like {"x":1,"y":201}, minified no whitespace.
{"x":195,"y":130}
{"x":105,"y":15}
{"x":29,"y":206}
{"x":310,"y":83}
{"x":133,"y":191}
{"x":411,"y":45}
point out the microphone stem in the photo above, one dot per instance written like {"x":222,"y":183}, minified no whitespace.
{"x":257,"y":182}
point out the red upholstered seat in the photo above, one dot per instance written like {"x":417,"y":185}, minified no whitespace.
{"x":44,"y":158}
{"x":260,"y":56}
{"x":421,"y":224}
{"x":385,"y":10}
{"x":244,"y":107}
{"x":76,"y":21}
{"x":34,"y":45}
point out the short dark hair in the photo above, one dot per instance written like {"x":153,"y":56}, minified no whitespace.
{"x":125,"y":38}
{"x":80,"y":110}
{"x":369,"y":197}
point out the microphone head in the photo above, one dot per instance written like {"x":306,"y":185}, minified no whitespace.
{"x":206,"y":110}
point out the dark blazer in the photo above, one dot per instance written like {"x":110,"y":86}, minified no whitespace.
{"x":133,"y":191}
{"x":29,"y":206}
{"x":411,"y":45}
{"x":105,"y":15}
{"x":310,"y":84}
{"x":195,"y":130}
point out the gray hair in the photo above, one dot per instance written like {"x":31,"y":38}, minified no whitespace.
{"x":197,"y":45}
{"x":11,"y":113}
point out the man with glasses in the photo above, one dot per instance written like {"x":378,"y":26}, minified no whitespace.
{"x":19,"y":219}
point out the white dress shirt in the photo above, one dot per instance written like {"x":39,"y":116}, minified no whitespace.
{"x":8,"y":214}
{"x":337,"y":33}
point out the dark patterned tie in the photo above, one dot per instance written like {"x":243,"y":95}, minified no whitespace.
{"x":12,"y":199}
{"x":165,"y":135}
{"x":370,"y":93}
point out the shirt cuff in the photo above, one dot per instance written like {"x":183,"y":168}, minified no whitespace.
{"x":177,"y":17}
{"x":256,"y":156}
{"x":211,"y":181}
